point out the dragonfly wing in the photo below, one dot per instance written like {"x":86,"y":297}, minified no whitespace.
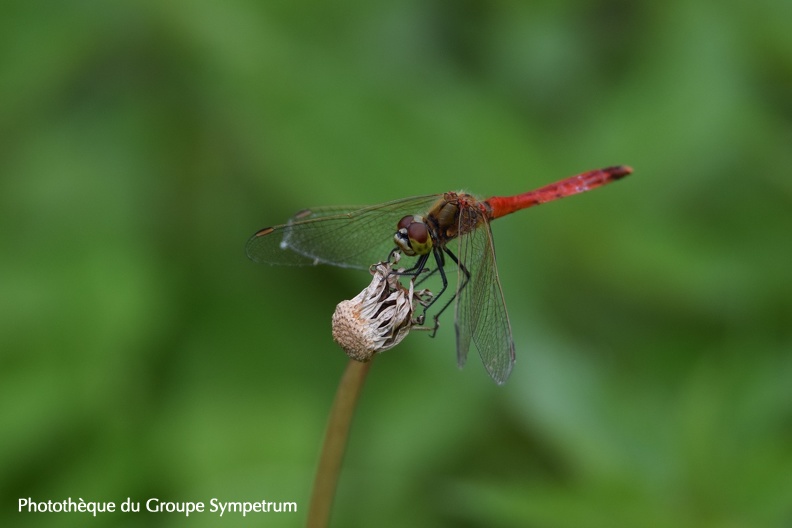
{"x":350,"y":237}
{"x":481,"y":314}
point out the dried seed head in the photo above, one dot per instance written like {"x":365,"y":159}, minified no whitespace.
{"x":379,"y":317}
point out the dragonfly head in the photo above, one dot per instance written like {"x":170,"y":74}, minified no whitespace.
{"x":412,"y":236}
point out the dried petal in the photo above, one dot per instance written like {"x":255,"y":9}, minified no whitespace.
{"x":379,"y":317}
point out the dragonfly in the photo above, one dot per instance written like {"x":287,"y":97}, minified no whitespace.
{"x":424,"y":227}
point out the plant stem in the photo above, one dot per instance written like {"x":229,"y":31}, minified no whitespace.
{"x":335,"y":443}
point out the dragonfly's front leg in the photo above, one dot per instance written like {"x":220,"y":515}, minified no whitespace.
{"x":420,"y":267}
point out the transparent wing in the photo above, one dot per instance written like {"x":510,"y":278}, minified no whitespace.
{"x":481,"y":314}
{"x":349,"y":237}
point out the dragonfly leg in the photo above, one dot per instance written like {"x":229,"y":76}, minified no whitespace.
{"x":440,"y":266}
{"x":440,"y":260}
{"x":420,"y":267}
{"x":466,"y":279}
{"x":417,"y":269}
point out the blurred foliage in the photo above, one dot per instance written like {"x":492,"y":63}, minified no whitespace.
{"x":143,"y":356}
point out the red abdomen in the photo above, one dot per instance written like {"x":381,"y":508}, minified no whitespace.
{"x":503,"y":205}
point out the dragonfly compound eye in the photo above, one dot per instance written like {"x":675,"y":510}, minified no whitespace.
{"x":413,"y":236}
{"x":405,"y":222}
{"x":420,"y":241}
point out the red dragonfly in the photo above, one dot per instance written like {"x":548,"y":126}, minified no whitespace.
{"x":423,"y":227}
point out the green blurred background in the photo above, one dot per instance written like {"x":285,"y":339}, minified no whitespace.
{"x":144,"y":356}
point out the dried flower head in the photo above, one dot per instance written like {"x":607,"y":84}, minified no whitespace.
{"x":379,"y":317}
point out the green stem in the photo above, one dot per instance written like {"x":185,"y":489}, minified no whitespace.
{"x":335,"y":443}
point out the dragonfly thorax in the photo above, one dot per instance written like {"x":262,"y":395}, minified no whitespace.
{"x":412,"y":236}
